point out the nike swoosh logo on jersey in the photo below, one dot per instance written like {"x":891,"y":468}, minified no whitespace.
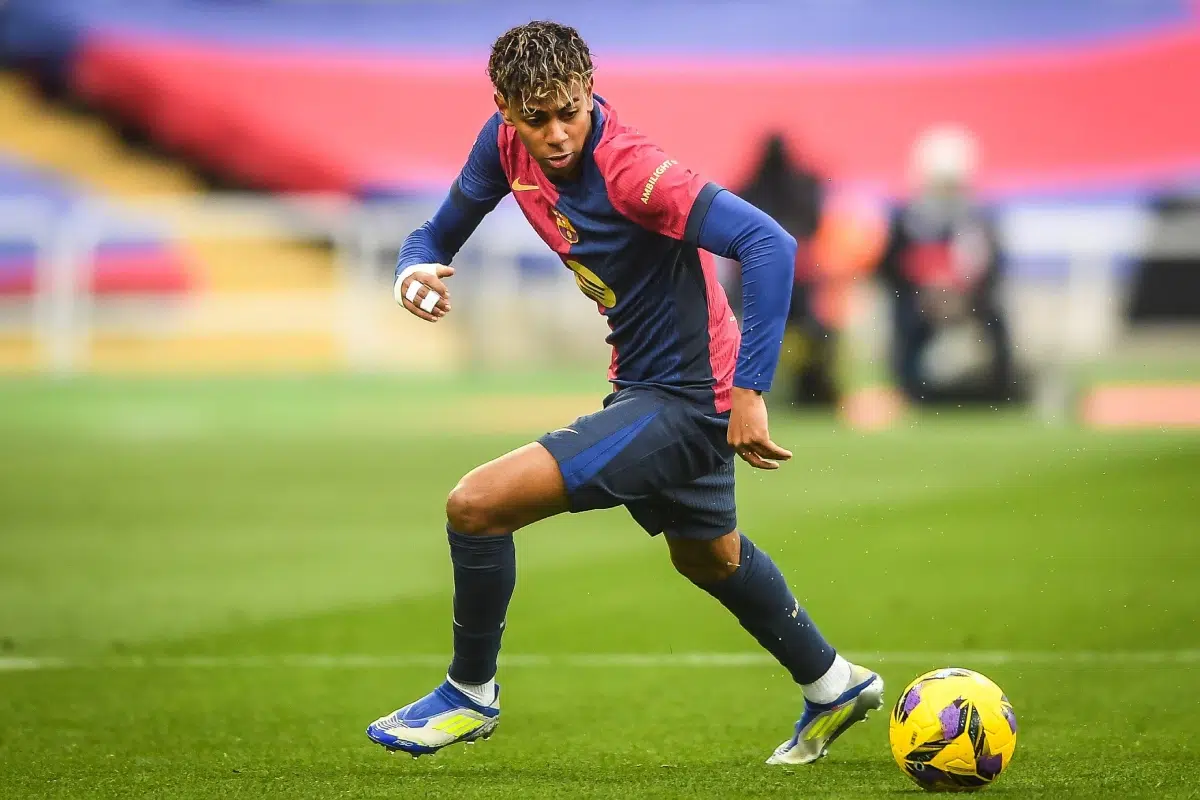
{"x":522,"y":187}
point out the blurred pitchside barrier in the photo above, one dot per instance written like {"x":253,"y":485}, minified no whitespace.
{"x":1066,"y":290}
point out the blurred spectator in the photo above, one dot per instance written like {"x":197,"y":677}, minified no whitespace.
{"x":942,"y":265}
{"x":790,"y":192}
{"x":1166,"y":286}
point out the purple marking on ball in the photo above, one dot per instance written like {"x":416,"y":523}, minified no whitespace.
{"x":931,"y":777}
{"x":954,"y":721}
{"x":1011,"y":716}
{"x":989,"y":766}
{"x":912,"y":699}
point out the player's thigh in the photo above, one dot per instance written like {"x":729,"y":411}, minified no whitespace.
{"x":510,"y":492}
{"x":642,"y":442}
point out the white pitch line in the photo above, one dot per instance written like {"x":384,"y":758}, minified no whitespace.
{"x":961,"y":658}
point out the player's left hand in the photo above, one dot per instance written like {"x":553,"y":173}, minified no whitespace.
{"x":748,"y":433}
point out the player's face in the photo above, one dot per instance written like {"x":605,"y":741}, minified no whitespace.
{"x":554,"y":133}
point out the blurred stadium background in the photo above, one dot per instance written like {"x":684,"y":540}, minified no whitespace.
{"x":222,"y":440}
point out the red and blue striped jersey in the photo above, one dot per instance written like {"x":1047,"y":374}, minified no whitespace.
{"x":622,"y":227}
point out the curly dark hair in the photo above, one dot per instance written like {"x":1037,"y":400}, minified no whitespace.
{"x":538,"y":62}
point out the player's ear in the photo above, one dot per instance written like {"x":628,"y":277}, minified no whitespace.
{"x":588,"y":101}
{"x":502,"y":106}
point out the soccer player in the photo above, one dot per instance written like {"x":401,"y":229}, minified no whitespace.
{"x":627,"y":220}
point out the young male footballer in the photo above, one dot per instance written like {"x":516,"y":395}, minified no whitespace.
{"x":627,"y":220}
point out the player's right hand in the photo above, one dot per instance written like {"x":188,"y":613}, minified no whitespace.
{"x":421,"y":291}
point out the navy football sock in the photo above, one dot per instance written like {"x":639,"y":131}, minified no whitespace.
{"x":485,"y":573}
{"x":758,"y":595}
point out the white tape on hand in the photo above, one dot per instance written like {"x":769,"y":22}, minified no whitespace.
{"x":414,"y":286}
{"x":430,"y":301}
{"x":412,"y":269}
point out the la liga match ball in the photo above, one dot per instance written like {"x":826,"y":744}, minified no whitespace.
{"x":953,"y":730}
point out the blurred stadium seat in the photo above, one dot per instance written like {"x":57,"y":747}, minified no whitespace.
{"x":74,"y":193}
{"x":121,"y":264}
{"x":325,"y":96}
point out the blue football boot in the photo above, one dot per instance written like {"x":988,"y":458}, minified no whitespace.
{"x":821,"y":723}
{"x":443,"y":717}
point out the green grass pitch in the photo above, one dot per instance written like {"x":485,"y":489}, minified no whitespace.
{"x":209,"y":588}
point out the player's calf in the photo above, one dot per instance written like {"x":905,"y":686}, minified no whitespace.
{"x":706,"y":561}
{"x":482,"y":511}
{"x":746,"y":581}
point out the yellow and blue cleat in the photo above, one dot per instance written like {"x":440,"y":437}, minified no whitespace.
{"x":443,"y":717}
{"x":821,"y":723}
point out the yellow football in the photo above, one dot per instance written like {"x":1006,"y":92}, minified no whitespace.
{"x":953,"y":730}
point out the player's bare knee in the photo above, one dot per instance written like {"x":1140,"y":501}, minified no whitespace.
{"x":469,"y":510}
{"x":704,"y":561}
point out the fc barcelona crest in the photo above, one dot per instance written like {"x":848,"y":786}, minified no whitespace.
{"x":565,"y":227}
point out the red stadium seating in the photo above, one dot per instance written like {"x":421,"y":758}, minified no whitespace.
{"x":121,"y":264}
{"x":157,"y":271}
{"x":1091,"y":116}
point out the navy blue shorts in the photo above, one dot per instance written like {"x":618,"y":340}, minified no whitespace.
{"x":662,"y":457}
